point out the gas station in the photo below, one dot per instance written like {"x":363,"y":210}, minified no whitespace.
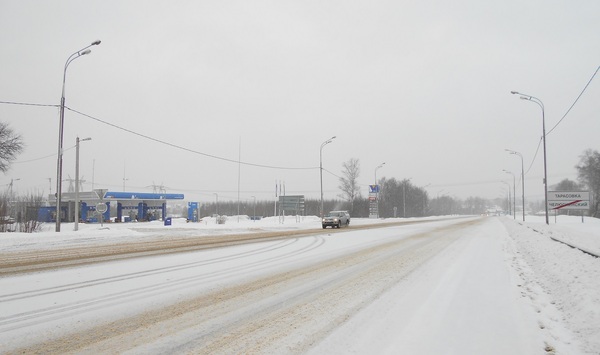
{"x":100,"y":205}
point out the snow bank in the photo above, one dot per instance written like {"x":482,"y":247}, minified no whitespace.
{"x":569,"y":277}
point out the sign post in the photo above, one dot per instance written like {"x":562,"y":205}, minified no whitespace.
{"x":291,"y":203}
{"x":101,"y":207}
{"x":373,"y":201}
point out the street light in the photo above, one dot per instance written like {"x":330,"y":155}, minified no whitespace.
{"x":514,"y":193}
{"x":11,"y":200}
{"x":71,"y":58}
{"x":77,"y":206}
{"x":425,"y":199}
{"x":321,"y":168}
{"x":377,"y":168}
{"x":541,"y":104}
{"x":404,"y":196}
{"x":507,"y":184}
{"x":216,"y":206}
{"x":10,"y":186}
{"x":377,"y":190}
{"x":522,"y":178}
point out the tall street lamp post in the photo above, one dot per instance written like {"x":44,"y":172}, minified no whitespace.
{"x":508,"y":200}
{"x":216,"y":206}
{"x":377,"y":168}
{"x":522,"y":178}
{"x":377,"y":189}
{"x":71,"y":58}
{"x":404,"y":196}
{"x":77,"y":205}
{"x":321,"y":168}
{"x":541,"y":105}
{"x":425,"y":199}
{"x":10,"y":187}
{"x":514,"y":194}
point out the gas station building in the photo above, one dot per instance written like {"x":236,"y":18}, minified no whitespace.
{"x":123,"y":206}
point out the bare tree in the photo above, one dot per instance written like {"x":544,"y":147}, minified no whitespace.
{"x":11,"y":145}
{"x":26,"y":212}
{"x":6,"y":222}
{"x":349,"y":181}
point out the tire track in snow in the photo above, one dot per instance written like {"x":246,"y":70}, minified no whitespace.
{"x":25,"y":319}
{"x":31,"y":261}
{"x":252,"y":317}
{"x":128,"y":276}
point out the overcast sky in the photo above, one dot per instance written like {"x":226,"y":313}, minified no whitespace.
{"x":180,"y":92}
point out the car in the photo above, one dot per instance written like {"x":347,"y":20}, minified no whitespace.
{"x":336,"y":219}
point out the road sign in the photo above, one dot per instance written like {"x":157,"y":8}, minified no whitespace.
{"x":101,"y":193}
{"x":101,"y":207}
{"x":569,"y":200}
{"x":291,"y":203}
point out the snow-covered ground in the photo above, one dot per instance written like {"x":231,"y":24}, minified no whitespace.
{"x":108,"y":233}
{"x":562,"y":283}
{"x":502,"y":286}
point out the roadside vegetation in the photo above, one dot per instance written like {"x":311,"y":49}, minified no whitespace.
{"x":397,"y":197}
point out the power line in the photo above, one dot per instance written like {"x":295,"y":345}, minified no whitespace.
{"x":160,"y":141}
{"x":26,"y":104}
{"x":563,"y":117}
{"x":577,"y":99}
{"x":35,"y":159}
{"x":534,"y":156}
{"x":187,"y":149}
{"x":44,"y":157}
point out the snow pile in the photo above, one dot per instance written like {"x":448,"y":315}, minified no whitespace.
{"x":90,"y":234}
{"x":564,"y":277}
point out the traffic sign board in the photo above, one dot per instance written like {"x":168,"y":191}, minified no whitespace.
{"x":569,"y":200}
{"x":292,"y":203}
{"x":101,"y":207}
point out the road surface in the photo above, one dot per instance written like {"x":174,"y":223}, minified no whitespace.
{"x":441,"y":286}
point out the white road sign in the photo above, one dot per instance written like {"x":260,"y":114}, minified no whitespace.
{"x":569,"y":200}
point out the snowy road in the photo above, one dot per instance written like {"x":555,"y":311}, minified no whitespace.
{"x":436,"y":287}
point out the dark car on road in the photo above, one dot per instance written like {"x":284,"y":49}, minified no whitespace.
{"x":336,"y":219}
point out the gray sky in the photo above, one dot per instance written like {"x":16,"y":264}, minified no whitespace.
{"x":422,"y":86}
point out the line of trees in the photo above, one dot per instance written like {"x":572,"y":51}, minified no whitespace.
{"x":401,"y":198}
{"x":418,"y":204}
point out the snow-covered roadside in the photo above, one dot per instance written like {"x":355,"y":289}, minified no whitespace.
{"x":92,"y":234}
{"x":562,"y":283}
{"x":467,"y":291}
{"x":110,"y":233}
{"x":464,"y":301}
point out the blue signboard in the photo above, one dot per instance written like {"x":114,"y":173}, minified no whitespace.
{"x":193,"y":211}
{"x":142,"y":196}
{"x":374,"y":188}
